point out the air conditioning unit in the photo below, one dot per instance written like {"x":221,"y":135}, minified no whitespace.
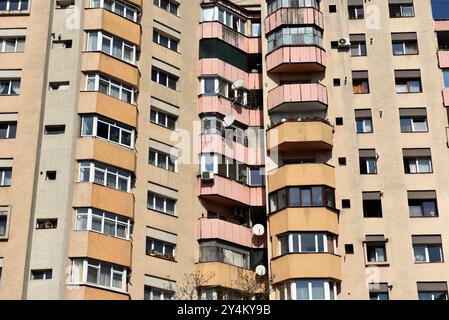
{"x":344,"y":42}
{"x":207,"y":176}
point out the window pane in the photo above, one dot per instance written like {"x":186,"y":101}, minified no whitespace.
{"x":434,"y":254}
{"x":317,"y":196}
{"x":318,"y":290}
{"x":306,"y":197}
{"x":294,"y":197}
{"x":308,"y":243}
{"x":420,"y":253}
{"x":302,"y":290}
{"x":429,"y":208}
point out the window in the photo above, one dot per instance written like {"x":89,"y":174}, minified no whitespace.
{"x":152,"y":293}
{"x":119,"y":7}
{"x":360,"y":83}
{"x":308,"y":290}
{"x":307,"y":242}
{"x":8,"y":129}
{"x":46,"y":274}
{"x":46,"y":224}
{"x":233,"y":169}
{"x":213,"y":251}
{"x":288,"y":36}
{"x":332,"y":8}
{"x":422,"y":204}
{"x":417,"y":161}
{"x":372,"y":205}
{"x":164,"y":78}
{"x":434,"y":295}
{"x":256,"y":31}
{"x":165,"y":41}
{"x":405,"y":43}
{"x":342,"y":161}
{"x":363,"y":121}
{"x":413,"y":120}
{"x":356,"y":12}
{"x":96,"y":82}
{"x":111,"y":45}
{"x":277,"y":4}
{"x":99,"y":273}
{"x":224,"y":88}
{"x":14,"y":5}
{"x":162,"y":160}
{"x":379,"y":291}
{"x":167,"y":5}
{"x":107,"y":223}
{"x":161,"y":203}
{"x":5,"y":177}
{"x":408,"y":81}
{"x":59,"y":86}
{"x":349,"y":249}
{"x":432,"y":290}
{"x":401,"y":10}
{"x":225,"y":17}
{"x":160,"y":249}
{"x":9,"y":87}
{"x":108,"y":129}
{"x":346,"y":203}
{"x":13,"y":44}
{"x":65,"y":4}
{"x":368,"y":161}
{"x":339,"y":121}
{"x":376,"y":252}
{"x":4,"y":222}
{"x":61,"y":44}
{"x":54,"y":129}
{"x":337,"y":82}
{"x":50,"y":175}
{"x":358,"y":45}
{"x":427,"y":249}
{"x":105,"y":175}
{"x":294,"y":197}
{"x":163,"y":119}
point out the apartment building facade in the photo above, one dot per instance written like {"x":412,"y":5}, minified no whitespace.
{"x":215,"y":149}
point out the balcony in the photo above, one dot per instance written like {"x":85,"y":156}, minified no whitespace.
{"x":304,"y":219}
{"x":227,"y":231}
{"x":223,"y":275}
{"x":289,"y":59}
{"x":107,"y":199}
{"x":85,"y":292}
{"x":214,"y":29}
{"x":100,"y":103}
{"x":228,"y":192}
{"x":294,"y":16}
{"x":443,"y":59}
{"x":308,"y":174}
{"x":217,"y":67}
{"x":102,"y":19}
{"x":100,"y":247}
{"x":306,"y":265}
{"x":223,"y":106}
{"x":214,"y":143}
{"x":106,"y":152}
{"x":298,"y":97}
{"x":300,"y":135}
{"x":442,"y":25}
{"x":120,"y":70}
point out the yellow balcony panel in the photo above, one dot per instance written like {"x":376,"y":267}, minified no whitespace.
{"x":306,"y":174}
{"x":306,"y":265}
{"x":85,"y":292}
{"x":224,"y":275}
{"x":300,"y":135}
{"x":120,"y":70}
{"x":304,"y":219}
{"x":100,"y":197}
{"x":101,"y":19}
{"x":100,"y":103}
{"x":85,"y":244}
{"x":106,"y":152}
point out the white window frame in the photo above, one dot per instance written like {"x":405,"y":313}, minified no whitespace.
{"x":127,"y":7}
{"x":95,"y":77}
{"x":103,"y":215}
{"x":162,"y":291}
{"x":164,"y":244}
{"x":88,"y":263}
{"x":330,"y":289}
{"x":167,"y":115}
{"x":100,"y":35}
{"x":364,"y":125}
{"x":359,"y":50}
{"x":170,"y":5}
{"x":5,"y":211}
{"x":416,"y":162}
{"x":164,"y":198}
{"x":3,"y":171}
{"x":426,"y":253}
{"x":91,"y":165}
{"x":170,"y":40}
{"x":16,"y":45}
{"x":299,"y":236}
{"x":228,"y":18}
{"x":10,"y":87}
{"x":222,"y":88}
{"x":167,"y":157}
{"x":8,"y":129}
{"x":110,"y":123}
{"x":8,"y":4}
{"x":168,"y":75}
{"x":366,"y":161}
{"x":376,"y":247}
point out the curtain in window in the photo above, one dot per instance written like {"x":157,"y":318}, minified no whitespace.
{"x":398,"y":48}
{"x":415,"y":211}
{"x":414,"y":86}
{"x":412,"y":166}
{"x":380,"y":253}
{"x":81,"y":222}
{"x":4,"y":87}
{"x":407,"y":11}
{"x":420,"y":253}
{"x":358,"y":87}
{"x":8,"y":177}
{"x":105,"y":275}
{"x":77,"y":271}
{"x":424,"y":165}
{"x":2,"y":225}
{"x":117,"y":48}
{"x":117,"y":280}
{"x":302,"y":290}
{"x":318,"y":290}
{"x":93,"y":40}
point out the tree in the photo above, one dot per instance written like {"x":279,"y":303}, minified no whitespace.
{"x":252,"y":286}
{"x":191,"y":285}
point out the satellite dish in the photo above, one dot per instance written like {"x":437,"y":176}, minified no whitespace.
{"x":238,"y":84}
{"x":259,"y":230}
{"x":261,"y":270}
{"x":229,"y":120}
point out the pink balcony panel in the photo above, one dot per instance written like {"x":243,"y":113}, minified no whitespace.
{"x":446,"y":97}
{"x":226,"y":71}
{"x":442,"y":25}
{"x":294,"y":16}
{"x":250,"y":117}
{"x":296,"y":59}
{"x":214,"y":143}
{"x":231,"y":193}
{"x":213,"y":29}
{"x":297,"y":93}
{"x":231,"y":232}
{"x":443,"y":59}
